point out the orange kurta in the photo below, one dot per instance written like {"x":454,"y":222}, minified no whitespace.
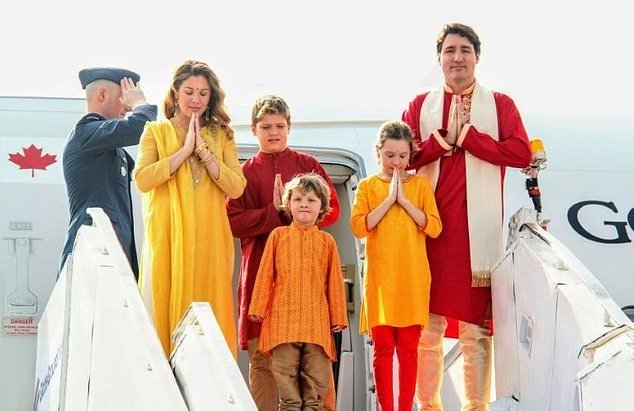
{"x":299,"y":289}
{"x":396,"y":274}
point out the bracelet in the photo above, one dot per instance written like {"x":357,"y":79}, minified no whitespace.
{"x":202,"y":154}
{"x":208,"y":159}
{"x":200,"y":148}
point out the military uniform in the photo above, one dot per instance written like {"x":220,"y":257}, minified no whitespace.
{"x":97,"y":171}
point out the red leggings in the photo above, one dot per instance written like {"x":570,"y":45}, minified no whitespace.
{"x":405,"y":340}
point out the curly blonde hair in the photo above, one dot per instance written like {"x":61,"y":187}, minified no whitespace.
{"x":308,"y":182}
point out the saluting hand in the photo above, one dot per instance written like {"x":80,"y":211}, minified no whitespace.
{"x":131,"y":95}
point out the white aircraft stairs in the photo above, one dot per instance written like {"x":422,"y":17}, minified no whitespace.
{"x":560,"y":342}
{"x":97,"y":349}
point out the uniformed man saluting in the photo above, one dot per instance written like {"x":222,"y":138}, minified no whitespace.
{"x":96,"y":167}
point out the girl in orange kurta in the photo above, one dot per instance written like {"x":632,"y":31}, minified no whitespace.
{"x":299,"y":296}
{"x":187,"y":167}
{"x":396,"y":211}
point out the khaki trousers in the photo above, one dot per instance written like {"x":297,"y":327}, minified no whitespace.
{"x":303,"y":374}
{"x":475,"y":344}
{"x":330,"y":398}
{"x":261,"y":382}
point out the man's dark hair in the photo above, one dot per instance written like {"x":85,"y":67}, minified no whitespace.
{"x":462,"y":30}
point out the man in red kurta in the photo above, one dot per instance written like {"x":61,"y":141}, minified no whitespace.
{"x":467,"y":135}
{"x":256,"y":213}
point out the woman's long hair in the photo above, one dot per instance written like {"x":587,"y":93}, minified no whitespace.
{"x":216,"y":112}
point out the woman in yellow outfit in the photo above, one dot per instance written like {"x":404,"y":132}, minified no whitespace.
{"x":187,"y":166}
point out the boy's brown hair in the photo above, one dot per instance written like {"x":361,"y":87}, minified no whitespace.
{"x":308,"y":182}
{"x":269,"y":104}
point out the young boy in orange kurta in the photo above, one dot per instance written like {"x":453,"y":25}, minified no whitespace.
{"x":299,"y":296}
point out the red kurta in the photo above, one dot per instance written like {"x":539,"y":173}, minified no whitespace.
{"x":449,"y":254}
{"x":252,"y":217}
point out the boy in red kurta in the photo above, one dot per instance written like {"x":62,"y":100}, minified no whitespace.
{"x":467,"y":135}
{"x":300,"y":296}
{"x":256,"y":213}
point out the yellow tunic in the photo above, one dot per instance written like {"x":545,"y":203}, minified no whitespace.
{"x":188,"y":252}
{"x":396,"y":273}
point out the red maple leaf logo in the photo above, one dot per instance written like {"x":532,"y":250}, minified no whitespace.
{"x":32,"y":159}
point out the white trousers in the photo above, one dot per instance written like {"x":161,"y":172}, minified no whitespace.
{"x":475,"y":344}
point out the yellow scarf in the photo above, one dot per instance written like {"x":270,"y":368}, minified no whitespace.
{"x":169,"y":224}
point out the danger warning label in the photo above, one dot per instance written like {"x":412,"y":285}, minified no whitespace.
{"x":19,"y":326}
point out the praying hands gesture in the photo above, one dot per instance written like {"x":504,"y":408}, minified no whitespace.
{"x":202,"y":151}
{"x":457,"y":120}
{"x":392,"y":195}
{"x":177,"y":159}
{"x":278,"y":191}
{"x":397,"y":185}
{"x":196,"y":145}
{"x":396,"y":195}
{"x":193,"y":135}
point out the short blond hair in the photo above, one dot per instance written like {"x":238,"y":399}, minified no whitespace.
{"x":308,"y":182}
{"x":269,"y":104}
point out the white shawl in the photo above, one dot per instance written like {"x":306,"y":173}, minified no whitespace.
{"x":484,"y":188}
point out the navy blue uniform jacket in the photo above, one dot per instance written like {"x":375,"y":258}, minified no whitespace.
{"x":97,"y":173}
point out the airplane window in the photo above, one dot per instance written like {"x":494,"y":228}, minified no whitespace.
{"x":629,"y":311}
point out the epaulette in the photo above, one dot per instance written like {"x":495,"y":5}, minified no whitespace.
{"x":93,"y":117}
